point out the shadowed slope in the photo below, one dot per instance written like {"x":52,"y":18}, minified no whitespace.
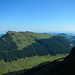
{"x":66,"y":67}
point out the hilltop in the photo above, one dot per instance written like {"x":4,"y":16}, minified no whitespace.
{"x":19,"y":40}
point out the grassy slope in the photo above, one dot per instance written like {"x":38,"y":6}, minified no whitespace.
{"x":26,"y":63}
{"x":22,"y":39}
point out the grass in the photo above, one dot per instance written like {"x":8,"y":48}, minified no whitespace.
{"x":27,"y":63}
{"x":23,"y":39}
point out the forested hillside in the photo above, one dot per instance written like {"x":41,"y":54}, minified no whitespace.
{"x":14,"y":45}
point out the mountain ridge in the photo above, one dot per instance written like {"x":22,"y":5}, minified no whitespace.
{"x":23,"y":39}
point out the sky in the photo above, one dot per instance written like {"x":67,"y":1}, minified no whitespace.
{"x":37,"y":15}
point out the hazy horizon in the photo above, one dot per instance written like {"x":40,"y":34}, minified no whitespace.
{"x":41,"y":32}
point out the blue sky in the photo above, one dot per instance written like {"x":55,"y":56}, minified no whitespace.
{"x":37,"y":15}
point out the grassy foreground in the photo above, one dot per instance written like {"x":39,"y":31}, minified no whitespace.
{"x":26,"y":63}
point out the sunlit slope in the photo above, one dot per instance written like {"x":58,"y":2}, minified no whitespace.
{"x":19,"y":40}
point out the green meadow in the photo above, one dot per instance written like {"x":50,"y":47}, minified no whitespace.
{"x":22,"y":39}
{"x":27,"y":63}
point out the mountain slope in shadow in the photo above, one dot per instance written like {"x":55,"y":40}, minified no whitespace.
{"x":66,"y":67}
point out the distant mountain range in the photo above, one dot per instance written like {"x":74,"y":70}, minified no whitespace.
{"x":57,"y":33}
{"x":69,"y":37}
{"x":15,"y":45}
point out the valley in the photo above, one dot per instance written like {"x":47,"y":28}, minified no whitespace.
{"x":59,"y":66}
{"x":27,"y":63}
